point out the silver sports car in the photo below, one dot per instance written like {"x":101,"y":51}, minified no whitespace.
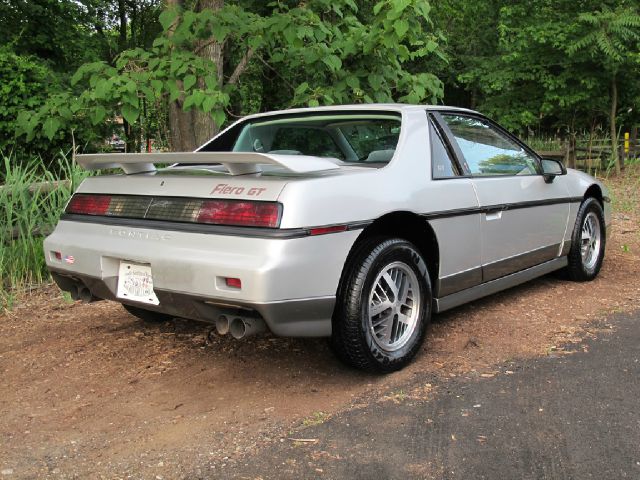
{"x":354,"y":222}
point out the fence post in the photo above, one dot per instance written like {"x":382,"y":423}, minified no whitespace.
{"x":570,"y":155}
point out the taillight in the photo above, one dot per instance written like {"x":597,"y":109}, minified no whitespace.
{"x":178,"y":209}
{"x":246,"y":214}
{"x":89,"y":204}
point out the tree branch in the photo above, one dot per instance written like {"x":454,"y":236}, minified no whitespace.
{"x":241,"y":67}
{"x":266,"y":64}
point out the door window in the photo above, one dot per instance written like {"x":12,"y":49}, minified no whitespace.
{"x":488,"y":151}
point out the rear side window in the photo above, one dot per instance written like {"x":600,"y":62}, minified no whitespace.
{"x":442,"y":165}
{"x":373,"y":140}
{"x":488,"y":151}
{"x":305,"y":141}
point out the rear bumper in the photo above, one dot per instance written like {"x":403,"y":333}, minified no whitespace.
{"x":290,"y":283}
{"x":308,"y":317}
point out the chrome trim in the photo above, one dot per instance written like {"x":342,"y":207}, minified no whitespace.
{"x":494,"y":286}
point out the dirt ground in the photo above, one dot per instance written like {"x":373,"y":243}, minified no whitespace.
{"x":90,"y":391}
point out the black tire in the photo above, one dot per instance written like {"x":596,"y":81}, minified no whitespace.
{"x":579,"y":269}
{"x":147,"y":315}
{"x":354,"y":339}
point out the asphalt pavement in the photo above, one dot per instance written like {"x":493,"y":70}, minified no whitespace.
{"x":559,"y":417}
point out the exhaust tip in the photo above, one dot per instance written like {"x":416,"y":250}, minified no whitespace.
{"x":222,"y":325}
{"x":84,"y":294}
{"x":237,"y":328}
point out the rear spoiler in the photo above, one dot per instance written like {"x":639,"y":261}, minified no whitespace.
{"x":237,"y":163}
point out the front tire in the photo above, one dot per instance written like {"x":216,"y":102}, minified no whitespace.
{"x":384,"y":306}
{"x":587,"y":242}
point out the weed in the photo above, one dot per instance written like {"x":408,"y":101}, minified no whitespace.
{"x":315,"y":419}
{"x":30,"y":208}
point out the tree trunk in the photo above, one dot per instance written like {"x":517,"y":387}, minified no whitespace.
{"x":129,"y":136}
{"x":203,"y":124}
{"x":122,"y":30}
{"x":612,"y":123}
{"x":189,"y":130}
{"x":180,"y":135}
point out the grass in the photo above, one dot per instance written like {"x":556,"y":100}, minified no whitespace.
{"x":315,"y":419}
{"x":545,"y":143}
{"x":26,"y":214}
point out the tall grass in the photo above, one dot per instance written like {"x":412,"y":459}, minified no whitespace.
{"x":30,"y":208}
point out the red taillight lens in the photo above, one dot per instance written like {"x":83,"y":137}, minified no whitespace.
{"x":246,"y":214}
{"x":84,"y":204}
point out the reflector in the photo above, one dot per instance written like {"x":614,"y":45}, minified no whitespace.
{"x":233,"y":282}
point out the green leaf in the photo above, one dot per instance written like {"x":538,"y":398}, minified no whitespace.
{"x":65,"y":112}
{"x":193,"y":100}
{"x":353,"y":82}
{"x":219,"y":117}
{"x":130,"y":113}
{"x":174,"y":91}
{"x":401,"y":27}
{"x":98,"y":115}
{"x":102,"y":88}
{"x":50,"y":127}
{"x":300,"y":89}
{"x":77,"y":76}
{"x":188,"y":82}
{"x":333,"y":62}
{"x":208,"y":103}
{"x":379,"y":6}
{"x":157,"y":86}
{"x":167,"y":17}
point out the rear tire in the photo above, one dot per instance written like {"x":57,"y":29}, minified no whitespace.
{"x":383,"y":307}
{"x":147,"y":315}
{"x":587,"y":242}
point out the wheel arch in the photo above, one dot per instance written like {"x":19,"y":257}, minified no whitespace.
{"x":594,"y":191}
{"x":408,"y":226}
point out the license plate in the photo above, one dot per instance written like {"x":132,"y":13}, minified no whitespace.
{"x":135,"y":283}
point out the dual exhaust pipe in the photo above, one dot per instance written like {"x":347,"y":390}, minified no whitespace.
{"x":239,"y":327}
{"x":82,"y":293}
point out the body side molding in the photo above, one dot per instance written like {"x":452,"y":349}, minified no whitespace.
{"x":494,"y":286}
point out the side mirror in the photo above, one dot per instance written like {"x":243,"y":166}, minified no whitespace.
{"x":551,"y":168}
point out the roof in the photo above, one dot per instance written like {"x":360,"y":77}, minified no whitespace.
{"x":393,"y":107}
{"x":396,"y":107}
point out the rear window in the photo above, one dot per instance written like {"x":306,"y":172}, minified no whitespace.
{"x":363,"y":138}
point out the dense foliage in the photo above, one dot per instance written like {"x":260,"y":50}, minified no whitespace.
{"x":179,"y":70}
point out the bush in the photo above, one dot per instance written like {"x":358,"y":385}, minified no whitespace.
{"x":26,"y":85}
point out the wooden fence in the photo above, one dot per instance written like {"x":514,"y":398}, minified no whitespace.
{"x":594,"y":154}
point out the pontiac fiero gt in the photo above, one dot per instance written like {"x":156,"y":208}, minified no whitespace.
{"x":354,"y":222}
